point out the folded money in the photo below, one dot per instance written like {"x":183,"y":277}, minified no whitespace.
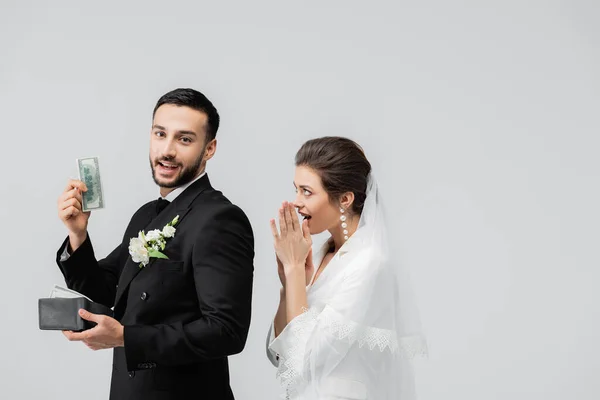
{"x":62,"y":292}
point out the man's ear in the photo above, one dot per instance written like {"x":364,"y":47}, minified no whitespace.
{"x":210,"y":150}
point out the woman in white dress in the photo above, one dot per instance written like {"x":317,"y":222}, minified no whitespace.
{"x":346,"y":326}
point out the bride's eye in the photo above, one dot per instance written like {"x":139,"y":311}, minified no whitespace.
{"x":307,"y":193}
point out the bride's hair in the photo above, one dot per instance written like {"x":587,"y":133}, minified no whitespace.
{"x":342,"y":166}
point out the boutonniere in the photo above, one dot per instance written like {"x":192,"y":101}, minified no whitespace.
{"x":151,"y":244}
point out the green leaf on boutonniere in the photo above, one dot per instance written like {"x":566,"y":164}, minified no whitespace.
{"x":147,"y":246}
{"x":157,"y":254}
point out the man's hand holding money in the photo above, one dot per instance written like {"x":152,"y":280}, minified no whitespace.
{"x":71,"y":213}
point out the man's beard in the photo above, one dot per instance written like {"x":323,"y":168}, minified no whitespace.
{"x":186,"y":175}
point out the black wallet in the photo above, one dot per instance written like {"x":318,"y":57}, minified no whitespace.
{"x":63,"y":313}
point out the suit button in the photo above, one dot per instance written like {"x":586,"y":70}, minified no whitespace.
{"x":144,"y":296}
{"x":131,"y":374}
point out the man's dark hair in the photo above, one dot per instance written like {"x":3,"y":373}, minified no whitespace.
{"x":197,"y":101}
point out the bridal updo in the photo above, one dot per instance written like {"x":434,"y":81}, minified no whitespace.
{"x":342,"y":166}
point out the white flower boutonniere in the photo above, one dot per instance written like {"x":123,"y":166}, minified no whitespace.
{"x":151,"y":244}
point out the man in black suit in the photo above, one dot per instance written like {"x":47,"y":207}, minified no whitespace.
{"x":176,"y":319}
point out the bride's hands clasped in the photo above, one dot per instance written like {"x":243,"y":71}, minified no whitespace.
{"x":292,"y":243}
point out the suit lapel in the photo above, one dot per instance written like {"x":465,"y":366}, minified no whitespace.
{"x":180,"y":206}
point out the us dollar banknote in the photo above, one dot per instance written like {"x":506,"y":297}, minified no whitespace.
{"x":89,"y":173}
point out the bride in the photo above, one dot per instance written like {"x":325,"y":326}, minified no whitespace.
{"x":346,"y":326}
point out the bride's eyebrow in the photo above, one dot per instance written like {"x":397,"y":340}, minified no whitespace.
{"x":303,"y":187}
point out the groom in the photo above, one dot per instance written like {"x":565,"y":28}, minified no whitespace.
{"x":176,"y":319}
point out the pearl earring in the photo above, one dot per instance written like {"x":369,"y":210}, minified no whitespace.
{"x":344,"y":224}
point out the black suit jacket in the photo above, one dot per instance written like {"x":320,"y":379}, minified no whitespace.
{"x":183,"y":316}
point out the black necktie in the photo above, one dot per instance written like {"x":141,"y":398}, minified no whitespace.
{"x":161,"y":204}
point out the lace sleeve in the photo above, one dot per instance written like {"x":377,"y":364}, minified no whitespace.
{"x":290,"y":347}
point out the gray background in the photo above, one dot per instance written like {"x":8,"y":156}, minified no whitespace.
{"x":481,"y":120}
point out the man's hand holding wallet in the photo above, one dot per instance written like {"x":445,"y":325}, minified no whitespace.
{"x":80,"y":319}
{"x":107,"y":333}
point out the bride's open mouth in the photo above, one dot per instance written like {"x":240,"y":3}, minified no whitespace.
{"x":305,"y":216}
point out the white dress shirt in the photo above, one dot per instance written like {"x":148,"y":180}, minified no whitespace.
{"x":177,"y":191}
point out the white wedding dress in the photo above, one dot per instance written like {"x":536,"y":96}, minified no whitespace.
{"x":360,"y":332}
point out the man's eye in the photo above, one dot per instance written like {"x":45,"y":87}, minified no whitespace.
{"x":186,"y":139}
{"x":160,"y":133}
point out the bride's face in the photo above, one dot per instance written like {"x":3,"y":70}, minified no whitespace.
{"x":313,"y":202}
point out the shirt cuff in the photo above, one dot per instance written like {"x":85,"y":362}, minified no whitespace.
{"x":272,"y":354}
{"x":280,"y":344}
{"x":65,"y":254}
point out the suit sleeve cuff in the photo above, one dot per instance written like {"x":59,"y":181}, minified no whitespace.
{"x":136,"y":356}
{"x":71,"y":266}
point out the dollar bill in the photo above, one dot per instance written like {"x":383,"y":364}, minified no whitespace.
{"x":89,"y":173}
